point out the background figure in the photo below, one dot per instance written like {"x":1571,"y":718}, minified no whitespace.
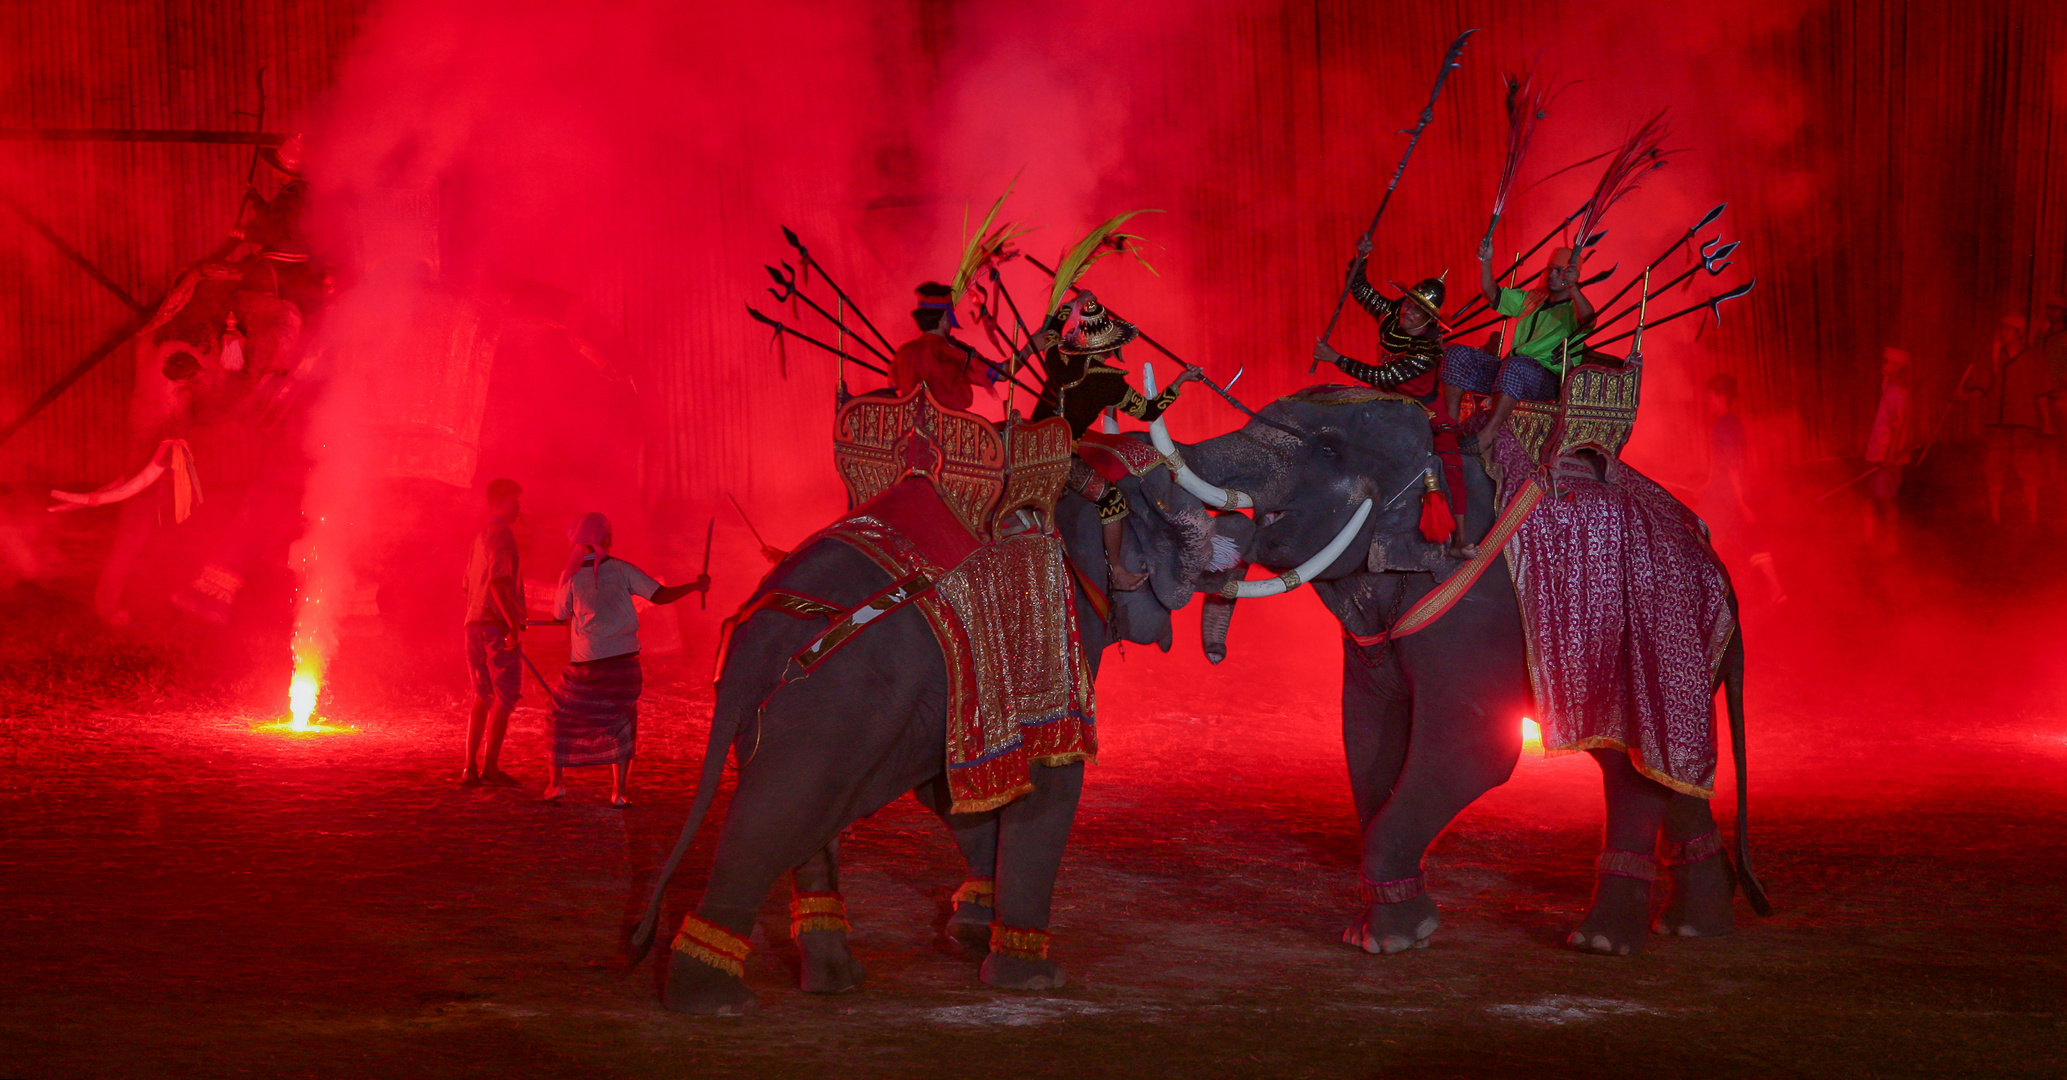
{"x":1725,"y":503}
{"x":1890,"y":448}
{"x":2012,"y":389}
{"x":595,"y":716}
{"x":2054,"y":348}
{"x":494,"y":625}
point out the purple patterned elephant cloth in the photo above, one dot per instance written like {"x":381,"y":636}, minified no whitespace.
{"x":1626,"y":613}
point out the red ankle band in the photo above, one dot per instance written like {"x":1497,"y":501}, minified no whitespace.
{"x":1627,"y":864}
{"x":981,"y":891}
{"x":1392,"y":892}
{"x":1024,"y":944}
{"x":712,"y":944}
{"x":817,"y":911}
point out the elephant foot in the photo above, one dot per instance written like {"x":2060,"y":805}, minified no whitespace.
{"x":1615,"y":924}
{"x":1391,"y":928}
{"x":698,"y":989}
{"x":1699,"y":903}
{"x":1008,"y":972}
{"x":828,"y":967}
{"x":967,"y":933}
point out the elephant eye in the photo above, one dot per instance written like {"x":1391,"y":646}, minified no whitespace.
{"x":1328,"y":450}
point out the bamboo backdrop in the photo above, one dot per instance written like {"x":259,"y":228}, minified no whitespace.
{"x":1894,"y":170}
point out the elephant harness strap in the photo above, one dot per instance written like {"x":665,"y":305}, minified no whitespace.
{"x":1444,"y":596}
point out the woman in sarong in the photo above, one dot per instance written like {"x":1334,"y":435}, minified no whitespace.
{"x":595,"y":716}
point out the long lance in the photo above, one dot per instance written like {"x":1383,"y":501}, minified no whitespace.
{"x":790,"y":291}
{"x":1596,"y":279}
{"x":1161,"y":348}
{"x":782,"y":328}
{"x":1706,"y":220}
{"x":703,"y":598}
{"x":1713,"y":303}
{"x":1450,"y":63}
{"x":1715,"y":264}
{"x":804,"y":255}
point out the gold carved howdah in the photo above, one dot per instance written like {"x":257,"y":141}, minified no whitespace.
{"x":879,"y":439}
{"x":1595,"y":410}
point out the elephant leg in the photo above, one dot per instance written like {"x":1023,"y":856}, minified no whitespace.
{"x":132,"y":531}
{"x":1376,"y":720}
{"x":1700,"y":886}
{"x":1032,"y":831}
{"x":818,"y":924}
{"x":1457,"y":750}
{"x":1622,"y":883}
{"x":968,"y":928}
{"x":792,"y":799}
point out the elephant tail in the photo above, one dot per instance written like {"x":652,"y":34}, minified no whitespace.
{"x":1733,"y":699}
{"x":714,"y":755}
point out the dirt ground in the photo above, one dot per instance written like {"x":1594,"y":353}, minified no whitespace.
{"x":184,"y":893}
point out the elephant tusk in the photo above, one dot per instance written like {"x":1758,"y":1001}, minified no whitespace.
{"x":1306,"y":571}
{"x":1214,"y":496}
{"x":114,"y":493}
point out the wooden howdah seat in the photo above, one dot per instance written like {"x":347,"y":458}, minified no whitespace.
{"x":1582,"y":433}
{"x":985,"y":474}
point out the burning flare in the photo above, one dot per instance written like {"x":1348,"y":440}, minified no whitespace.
{"x":301,"y":697}
{"x":1532,"y":738}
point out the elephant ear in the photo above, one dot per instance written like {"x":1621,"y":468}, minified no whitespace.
{"x":1408,"y":552}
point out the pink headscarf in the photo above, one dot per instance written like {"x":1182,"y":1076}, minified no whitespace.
{"x":586,"y":534}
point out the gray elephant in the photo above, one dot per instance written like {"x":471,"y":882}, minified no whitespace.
{"x":1430,"y":720}
{"x":817,"y":753}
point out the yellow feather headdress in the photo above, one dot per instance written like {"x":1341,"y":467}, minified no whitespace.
{"x":1095,"y":245}
{"x":986,"y":245}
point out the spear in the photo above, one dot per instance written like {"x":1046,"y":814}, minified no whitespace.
{"x":1442,"y":74}
{"x":1636,"y":348}
{"x":772,"y":554}
{"x":1715,"y":264}
{"x":804,"y":256}
{"x":782,"y":328}
{"x":703,"y":598}
{"x":1713,"y":304}
{"x":791,"y":292}
{"x":1706,"y":220}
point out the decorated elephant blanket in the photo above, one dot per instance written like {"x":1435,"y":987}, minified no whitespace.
{"x":1626,"y":614}
{"x":1019,"y":687}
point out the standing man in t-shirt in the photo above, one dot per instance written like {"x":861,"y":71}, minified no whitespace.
{"x":494,"y":625}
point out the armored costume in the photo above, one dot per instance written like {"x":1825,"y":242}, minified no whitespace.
{"x":1080,"y":384}
{"x":1410,"y":358}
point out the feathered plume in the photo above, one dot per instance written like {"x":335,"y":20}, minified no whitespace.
{"x":986,"y":245}
{"x":1095,"y":245}
{"x":1639,"y":154}
{"x":1526,"y":104}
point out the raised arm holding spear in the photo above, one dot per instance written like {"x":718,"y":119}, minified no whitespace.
{"x":1450,"y":63}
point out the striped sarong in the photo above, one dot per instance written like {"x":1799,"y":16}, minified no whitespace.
{"x":595,"y":717}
